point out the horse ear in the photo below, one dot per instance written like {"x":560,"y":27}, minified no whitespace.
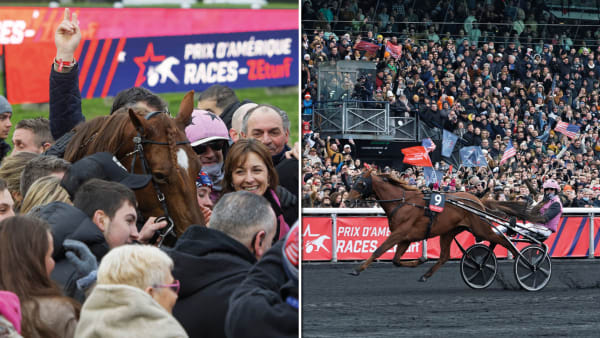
{"x":184,"y":117}
{"x":139,"y":124}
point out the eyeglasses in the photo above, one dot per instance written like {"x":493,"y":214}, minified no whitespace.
{"x":214,"y":145}
{"x":175,"y":286}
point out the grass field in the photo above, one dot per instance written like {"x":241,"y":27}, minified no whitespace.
{"x":286,"y":98}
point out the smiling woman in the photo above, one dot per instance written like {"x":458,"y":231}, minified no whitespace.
{"x":249,"y":167}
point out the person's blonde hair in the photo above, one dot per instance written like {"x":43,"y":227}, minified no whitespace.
{"x":43,"y":191}
{"x":11,"y":168}
{"x":139,"y":266}
{"x":10,"y":171}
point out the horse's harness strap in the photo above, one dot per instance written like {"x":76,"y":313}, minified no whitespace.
{"x":403,"y":203}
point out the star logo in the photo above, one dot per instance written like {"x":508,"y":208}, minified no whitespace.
{"x":141,"y":62}
{"x":212,"y":115}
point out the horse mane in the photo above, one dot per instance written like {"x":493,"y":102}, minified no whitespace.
{"x":519,"y":209}
{"x":398,"y":182}
{"x":99,"y":134}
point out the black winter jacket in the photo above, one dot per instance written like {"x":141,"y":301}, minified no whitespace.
{"x":68,"y":222}
{"x":259,"y":306}
{"x":209,"y":265}
{"x":65,"y":108}
{"x":65,"y":101}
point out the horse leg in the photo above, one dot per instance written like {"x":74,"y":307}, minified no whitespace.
{"x":385,"y":246}
{"x":400,"y":251}
{"x":445,"y":242}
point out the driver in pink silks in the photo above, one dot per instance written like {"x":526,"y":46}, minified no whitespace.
{"x":551,"y":209}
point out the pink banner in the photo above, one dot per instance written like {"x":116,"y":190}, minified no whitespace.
{"x":316,"y":239}
{"x":38,"y":24}
{"x":359,"y":237}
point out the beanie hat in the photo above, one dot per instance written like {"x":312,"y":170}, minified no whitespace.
{"x":206,"y":127}
{"x":5,"y":107}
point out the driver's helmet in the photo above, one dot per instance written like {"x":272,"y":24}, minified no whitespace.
{"x":551,"y":184}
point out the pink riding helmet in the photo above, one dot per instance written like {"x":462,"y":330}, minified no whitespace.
{"x":206,"y":127}
{"x":552,"y":184}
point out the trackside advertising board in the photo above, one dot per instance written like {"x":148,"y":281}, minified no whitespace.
{"x":164,"y":50}
{"x":358,"y":237}
{"x":316,"y":239}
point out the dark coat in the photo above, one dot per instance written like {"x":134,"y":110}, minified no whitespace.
{"x":68,"y":222}
{"x":260,"y":306}
{"x":209,"y":265}
{"x":65,"y":101}
{"x":4,"y":149}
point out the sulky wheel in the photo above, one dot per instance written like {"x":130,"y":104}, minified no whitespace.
{"x":533,"y":268}
{"x":478,"y":266}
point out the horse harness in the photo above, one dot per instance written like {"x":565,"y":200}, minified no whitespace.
{"x":138,"y":142}
{"x":368,"y":190}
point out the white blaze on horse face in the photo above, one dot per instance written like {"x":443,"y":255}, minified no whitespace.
{"x":182,"y":159}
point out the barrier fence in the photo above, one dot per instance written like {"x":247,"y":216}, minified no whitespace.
{"x":334,"y":234}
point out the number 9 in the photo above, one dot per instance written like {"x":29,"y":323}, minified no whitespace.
{"x":438,"y":199}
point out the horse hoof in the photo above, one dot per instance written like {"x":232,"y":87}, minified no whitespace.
{"x":354,"y":273}
{"x":423,"y":279}
{"x":396,"y":264}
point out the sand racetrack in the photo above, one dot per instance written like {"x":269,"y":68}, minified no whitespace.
{"x":386,"y":301}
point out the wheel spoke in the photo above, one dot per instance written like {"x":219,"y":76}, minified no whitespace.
{"x":473,"y":276}
{"x":523,"y":263}
{"x":490,"y":266}
{"x":524,"y":277}
{"x":545,"y":271}
{"x":470,"y":264}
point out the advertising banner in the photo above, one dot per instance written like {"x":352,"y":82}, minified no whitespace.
{"x":317,"y":242}
{"x":164,"y":50}
{"x":359,"y":237}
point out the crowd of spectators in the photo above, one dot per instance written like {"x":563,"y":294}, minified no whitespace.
{"x":505,"y":74}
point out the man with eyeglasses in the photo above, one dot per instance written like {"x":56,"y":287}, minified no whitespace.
{"x":209,"y":137}
{"x":212,"y":261}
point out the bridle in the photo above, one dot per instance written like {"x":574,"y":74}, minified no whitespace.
{"x":138,"y":144}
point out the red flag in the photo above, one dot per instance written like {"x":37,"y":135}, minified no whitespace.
{"x":416,"y":156}
{"x":395,"y":51}
{"x":450,"y":170}
{"x":371,"y":48}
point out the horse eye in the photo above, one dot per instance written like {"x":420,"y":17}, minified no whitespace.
{"x":159,"y":177}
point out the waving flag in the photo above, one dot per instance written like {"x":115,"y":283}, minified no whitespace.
{"x":508,"y":153}
{"x":428,"y":144}
{"x":570,"y":130}
{"x":433,"y":176}
{"x":416,"y":156}
{"x":472,"y":157}
{"x":395,"y":51}
{"x":449,"y":140}
{"x":367,"y":46}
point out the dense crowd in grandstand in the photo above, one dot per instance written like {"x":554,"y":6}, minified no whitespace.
{"x":501,"y":75}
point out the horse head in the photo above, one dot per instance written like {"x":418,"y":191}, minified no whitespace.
{"x":150,"y":143}
{"x":362,"y":187}
{"x":173,"y":164}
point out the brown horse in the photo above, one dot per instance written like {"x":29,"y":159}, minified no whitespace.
{"x":162,"y":150}
{"x":405,"y":208}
